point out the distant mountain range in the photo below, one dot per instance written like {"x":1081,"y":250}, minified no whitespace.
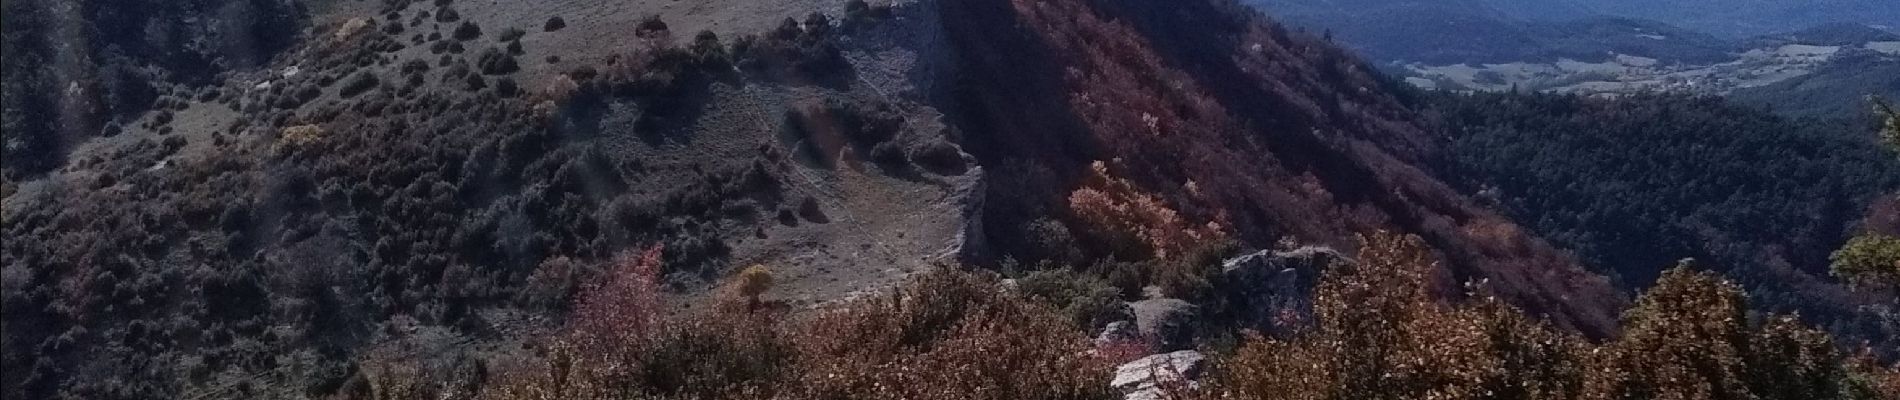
{"x":1733,"y":19}
{"x":1725,"y":18}
{"x":1817,"y":60}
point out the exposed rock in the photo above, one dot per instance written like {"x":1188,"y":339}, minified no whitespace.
{"x":1169,"y":321}
{"x":1272,"y":288}
{"x":1152,"y":376}
{"x":1117,"y":332}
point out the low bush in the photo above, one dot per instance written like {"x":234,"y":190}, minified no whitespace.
{"x":510,"y":35}
{"x":651,"y":27}
{"x":1088,"y":301}
{"x":496,"y":62}
{"x":939,"y":156}
{"x":446,"y":15}
{"x":808,"y":50}
{"x":890,"y":154}
{"x":506,"y":87}
{"x":357,"y":84}
{"x":858,"y":13}
{"x":467,"y":31}
{"x":1381,"y":334}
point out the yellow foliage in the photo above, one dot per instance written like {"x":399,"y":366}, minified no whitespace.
{"x":1870,"y":259}
{"x":1134,"y":220}
{"x":754,"y":281}
{"x":299,"y":136}
{"x":351,"y":28}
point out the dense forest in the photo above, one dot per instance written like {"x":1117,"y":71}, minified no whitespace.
{"x":1637,"y":183}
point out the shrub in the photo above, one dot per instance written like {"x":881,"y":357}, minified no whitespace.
{"x":467,"y":31}
{"x":495,"y":62}
{"x":958,"y":334}
{"x":889,"y":154}
{"x":1890,"y":127}
{"x":474,"y":83}
{"x":857,"y":13}
{"x":753,"y":282}
{"x":1087,"y":300}
{"x":1870,"y":259}
{"x":1382,"y":335}
{"x":939,"y":156}
{"x":651,"y":27}
{"x":414,"y":67}
{"x":357,"y":84}
{"x":506,"y":87}
{"x":944,"y":334}
{"x":299,"y":136}
{"x":709,"y":52}
{"x":583,"y":73}
{"x":446,"y":15}
{"x":111,"y":128}
{"x":1687,"y":336}
{"x":1133,"y":223}
{"x":808,"y":208}
{"x":554,"y":23}
{"x":510,"y":35}
{"x":621,"y":308}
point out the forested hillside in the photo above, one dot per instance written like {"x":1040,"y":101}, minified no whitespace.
{"x":1636,"y":183}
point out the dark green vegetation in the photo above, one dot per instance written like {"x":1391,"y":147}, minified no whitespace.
{"x":1725,"y":18}
{"x":1430,"y":34}
{"x":1637,"y":183}
{"x":1833,"y":34}
{"x":1742,"y":18}
{"x":1873,"y":258}
{"x":73,"y":68}
{"x":1838,"y":89}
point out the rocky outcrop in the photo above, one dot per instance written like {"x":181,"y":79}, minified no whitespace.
{"x":1117,"y":332}
{"x":1170,"y":322}
{"x":1152,"y":377}
{"x":1271,"y":289}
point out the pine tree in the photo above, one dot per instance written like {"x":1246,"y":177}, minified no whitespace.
{"x":1890,"y":131}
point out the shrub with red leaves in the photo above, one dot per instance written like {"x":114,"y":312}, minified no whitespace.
{"x":623,"y":306}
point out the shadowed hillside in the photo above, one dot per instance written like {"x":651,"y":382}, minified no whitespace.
{"x":1259,"y":133}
